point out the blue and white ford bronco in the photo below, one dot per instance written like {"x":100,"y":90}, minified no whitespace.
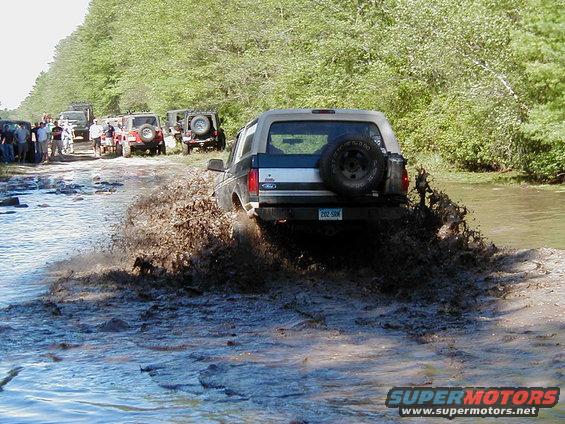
{"x":314,"y":165}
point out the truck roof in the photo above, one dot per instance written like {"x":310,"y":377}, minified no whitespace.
{"x":265,"y":120}
{"x":322,"y":112}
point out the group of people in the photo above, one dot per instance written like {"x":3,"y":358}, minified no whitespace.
{"x":23,"y":144}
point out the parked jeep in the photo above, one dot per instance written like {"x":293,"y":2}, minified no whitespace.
{"x":202,"y":130}
{"x":314,"y":165}
{"x":142,"y":132}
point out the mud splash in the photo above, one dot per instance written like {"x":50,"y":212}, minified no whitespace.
{"x":178,"y":234}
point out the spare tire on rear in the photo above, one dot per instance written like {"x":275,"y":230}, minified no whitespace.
{"x":352,"y":165}
{"x":200,"y":125}
{"x":147,"y":133}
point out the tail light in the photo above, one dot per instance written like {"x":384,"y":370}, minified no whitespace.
{"x":405,"y":181}
{"x":215,"y":134}
{"x":253,"y":181}
{"x":133,"y":136}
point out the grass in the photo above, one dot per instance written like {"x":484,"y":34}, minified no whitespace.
{"x":199,"y":159}
{"x":195,"y":159}
{"x":444,"y":171}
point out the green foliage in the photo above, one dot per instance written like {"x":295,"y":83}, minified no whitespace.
{"x":479,"y":82}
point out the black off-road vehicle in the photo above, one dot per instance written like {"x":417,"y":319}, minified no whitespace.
{"x":202,"y":130}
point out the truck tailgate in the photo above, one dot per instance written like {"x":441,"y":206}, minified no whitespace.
{"x":289,"y":175}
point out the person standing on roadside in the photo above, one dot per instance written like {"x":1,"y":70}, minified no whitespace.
{"x":56,"y":140}
{"x":109,"y":131}
{"x":4,"y":146}
{"x":95,"y":134}
{"x":68,"y":135}
{"x":35,"y":142}
{"x":43,"y":141}
{"x":7,"y":138}
{"x":20,"y":135}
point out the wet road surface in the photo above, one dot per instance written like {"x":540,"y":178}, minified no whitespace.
{"x":70,"y":207}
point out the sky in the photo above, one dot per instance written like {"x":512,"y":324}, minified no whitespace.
{"x":29,"y":32}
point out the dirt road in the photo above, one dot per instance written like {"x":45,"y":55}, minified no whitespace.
{"x":319,"y":343}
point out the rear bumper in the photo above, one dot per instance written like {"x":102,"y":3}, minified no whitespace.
{"x":209,"y":142}
{"x":312,"y":213}
{"x":145,"y":145}
{"x":82,"y":134}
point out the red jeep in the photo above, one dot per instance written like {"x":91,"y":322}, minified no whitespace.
{"x":140,"y":131}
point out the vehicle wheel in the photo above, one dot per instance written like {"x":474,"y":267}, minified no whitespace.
{"x":200,"y":125}
{"x":147,"y":133}
{"x":352,"y":165}
{"x":118,"y":149}
{"x":245,"y":232}
{"x":153,"y":151}
{"x":126,"y":150}
{"x":185,"y":149}
{"x":162,"y":149}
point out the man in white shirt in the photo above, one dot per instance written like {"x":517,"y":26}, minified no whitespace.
{"x":68,"y":138}
{"x":42,"y":140}
{"x":95,"y":132}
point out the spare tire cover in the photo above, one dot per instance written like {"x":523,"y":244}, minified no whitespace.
{"x":352,"y":165}
{"x":147,"y":133}
{"x":200,"y":125}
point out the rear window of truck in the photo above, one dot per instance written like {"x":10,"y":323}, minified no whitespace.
{"x":310,"y":137}
{"x":138,"y":121}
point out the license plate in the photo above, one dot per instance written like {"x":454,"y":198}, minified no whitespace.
{"x":330,"y":214}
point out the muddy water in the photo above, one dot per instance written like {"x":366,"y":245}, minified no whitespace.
{"x":514,"y":216}
{"x":325,"y":349}
{"x":71,"y":207}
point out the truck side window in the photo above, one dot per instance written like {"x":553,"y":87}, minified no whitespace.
{"x":234,"y":148}
{"x":248,"y":144}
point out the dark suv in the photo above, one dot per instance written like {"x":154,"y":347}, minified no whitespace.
{"x":142,"y":132}
{"x":79,"y":121}
{"x":202,"y":130}
{"x":314,"y":165}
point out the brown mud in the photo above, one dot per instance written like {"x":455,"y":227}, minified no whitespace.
{"x":179,"y":234}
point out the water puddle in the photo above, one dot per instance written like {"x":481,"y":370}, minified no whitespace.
{"x":514,"y":216}
{"x":73,"y":209}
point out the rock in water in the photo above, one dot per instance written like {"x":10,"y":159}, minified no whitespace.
{"x":10,"y":201}
{"x":13,"y":372}
{"x":113,"y":325}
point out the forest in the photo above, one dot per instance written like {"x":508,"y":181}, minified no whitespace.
{"x":479,"y":82}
